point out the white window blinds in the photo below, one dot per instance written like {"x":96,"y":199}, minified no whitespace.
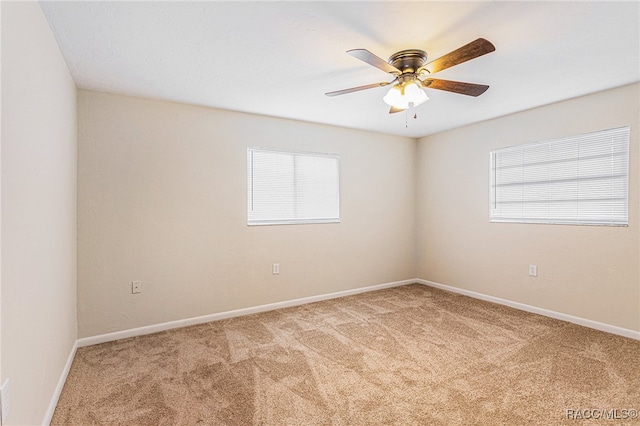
{"x":292,"y":187}
{"x":576,"y":180}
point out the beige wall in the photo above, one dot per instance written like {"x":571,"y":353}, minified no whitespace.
{"x":590,"y":272}
{"x":38,"y":212}
{"x":162,"y":199}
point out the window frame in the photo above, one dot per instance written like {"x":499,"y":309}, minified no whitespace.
{"x":291,"y":221}
{"x":624,"y":131}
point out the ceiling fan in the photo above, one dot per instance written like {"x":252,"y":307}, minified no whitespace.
{"x":409,"y":67}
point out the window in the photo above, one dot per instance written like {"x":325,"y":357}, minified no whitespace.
{"x":292,"y":187}
{"x":577,"y":180}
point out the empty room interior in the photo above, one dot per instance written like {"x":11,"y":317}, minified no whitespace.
{"x":349,"y":213}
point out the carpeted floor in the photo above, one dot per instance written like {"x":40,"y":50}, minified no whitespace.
{"x":410,"y":355}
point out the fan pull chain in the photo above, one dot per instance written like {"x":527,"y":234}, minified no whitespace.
{"x":406,"y":118}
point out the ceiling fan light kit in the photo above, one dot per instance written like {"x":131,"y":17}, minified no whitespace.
{"x":404,"y":95}
{"x":408,"y":66}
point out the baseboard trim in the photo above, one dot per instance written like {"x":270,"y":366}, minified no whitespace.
{"x":541,"y":311}
{"x":140,"y":331}
{"x":48,"y":416}
{"x":133,"y":332}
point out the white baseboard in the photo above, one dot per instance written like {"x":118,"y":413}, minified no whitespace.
{"x":58,"y":390}
{"x":109,"y":337}
{"x":87,"y":341}
{"x":541,"y":311}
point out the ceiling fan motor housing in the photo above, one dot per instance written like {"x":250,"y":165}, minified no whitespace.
{"x":408,"y":61}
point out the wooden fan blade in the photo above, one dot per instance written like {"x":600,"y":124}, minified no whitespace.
{"x":467,"y":52}
{"x":470,"y":89}
{"x":357,"y":89}
{"x":393,"y":110}
{"x":371,"y":59}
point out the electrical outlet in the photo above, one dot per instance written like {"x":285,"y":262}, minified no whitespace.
{"x":275,"y":269}
{"x":136,"y":287}
{"x":5,"y":402}
{"x":533,"y":270}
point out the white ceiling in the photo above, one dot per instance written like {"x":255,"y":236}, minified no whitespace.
{"x":279,"y":58}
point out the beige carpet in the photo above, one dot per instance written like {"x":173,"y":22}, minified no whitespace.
{"x":410,"y":355}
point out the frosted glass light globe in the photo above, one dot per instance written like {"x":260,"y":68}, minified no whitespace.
{"x":414,"y":94}
{"x":395,"y":98}
{"x":402,"y":95}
